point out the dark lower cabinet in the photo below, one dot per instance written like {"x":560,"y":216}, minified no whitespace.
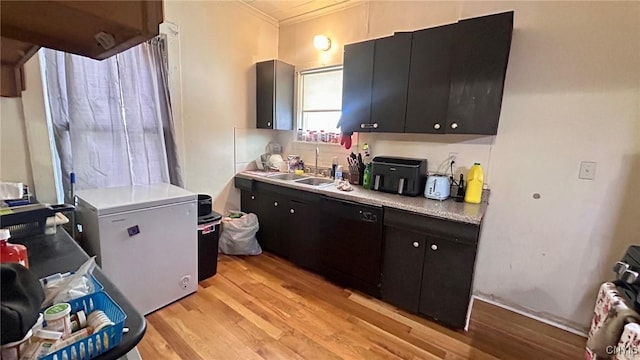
{"x":420,"y":264}
{"x":249,"y":201}
{"x":271,"y":210}
{"x":288,"y":225}
{"x":446,"y":281}
{"x":301,"y":227}
{"x":402,"y":271}
{"x":427,"y":271}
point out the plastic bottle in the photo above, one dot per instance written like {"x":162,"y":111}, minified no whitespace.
{"x":338,"y":173}
{"x":475,"y":181}
{"x":12,"y":252}
{"x":366,"y":180}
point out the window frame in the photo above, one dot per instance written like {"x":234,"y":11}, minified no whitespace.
{"x":300,"y":95}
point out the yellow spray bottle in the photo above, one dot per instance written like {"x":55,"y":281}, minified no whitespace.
{"x":475,"y":180}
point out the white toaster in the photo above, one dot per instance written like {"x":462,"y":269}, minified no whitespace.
{"x":438,"y":187}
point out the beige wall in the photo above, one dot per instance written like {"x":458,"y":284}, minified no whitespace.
{"x":14,"y":152}
{"x":572,"y":93}
{"x":216,"y":46}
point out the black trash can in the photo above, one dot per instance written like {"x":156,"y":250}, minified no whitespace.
{"x":208,"y":236}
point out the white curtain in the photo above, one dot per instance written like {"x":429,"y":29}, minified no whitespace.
{"x":112,"y":118}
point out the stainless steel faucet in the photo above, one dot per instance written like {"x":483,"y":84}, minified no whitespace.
{"x":317,"y":154}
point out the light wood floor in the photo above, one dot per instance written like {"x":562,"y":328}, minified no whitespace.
{"x":266,"y":308}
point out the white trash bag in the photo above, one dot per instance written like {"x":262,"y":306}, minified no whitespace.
{"x":238,"y":236}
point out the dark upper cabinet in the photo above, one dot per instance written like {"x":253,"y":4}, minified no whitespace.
{"x":428,"y":93}
{"x":274,"y":95}
{"x":480,"y":55}
{"x":446,"y":281}
{"x":402,"y":267}
{"x":391,"y":63}
{"x":357,"y":79}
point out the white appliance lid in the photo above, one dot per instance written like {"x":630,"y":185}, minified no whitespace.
{"x":127,"y":198}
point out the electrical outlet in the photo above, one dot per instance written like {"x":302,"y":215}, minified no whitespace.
{"x":184,"y":282}
{"x":587,"y":170}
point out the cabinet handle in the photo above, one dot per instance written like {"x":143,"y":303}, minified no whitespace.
{"x":269,"y":124}
{"x":253,"y":197}
{"x":375,"y":125}
{"x":434,"y":247}
{"x":436,"y":126}
{"x":292,"y":211}
{"x":275,"y":203}
{"x":416,"y":244}
{"x":454,"y":125}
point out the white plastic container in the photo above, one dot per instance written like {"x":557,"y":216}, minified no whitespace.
{"x":58,"y":318}
{"x":14,"y":350}
{"x":338,"y":174}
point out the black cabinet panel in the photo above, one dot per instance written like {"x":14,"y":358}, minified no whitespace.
{"x":357,"y":78}
{"x":271,"y":211}
{"x":447,"y":280}
{"x":274,"y":95}
{"x":480,"y":57}
{"x":302,"y":225}
{"x":249,"y":202}
{"x":428,"y":93}
{"x":352,"y":244}
{"x":390,"y":80}
{"x":402,"y":268}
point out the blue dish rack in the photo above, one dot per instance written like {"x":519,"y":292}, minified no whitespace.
{"x":96,"y":343}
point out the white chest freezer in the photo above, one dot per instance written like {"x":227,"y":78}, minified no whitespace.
{"x":145,"y":238}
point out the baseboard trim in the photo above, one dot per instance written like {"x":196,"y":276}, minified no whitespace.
{"x":532,"y":316}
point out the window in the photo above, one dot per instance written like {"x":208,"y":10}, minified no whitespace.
{"x":320,"y":99}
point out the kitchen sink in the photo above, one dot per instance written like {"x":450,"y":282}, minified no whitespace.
{"x":313,"y":181}
{"x":288,"y":176}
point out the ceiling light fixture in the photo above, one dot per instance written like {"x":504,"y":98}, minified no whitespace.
{"x":322,"y":42}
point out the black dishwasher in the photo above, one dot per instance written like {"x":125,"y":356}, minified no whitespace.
{"x":352,"y":244}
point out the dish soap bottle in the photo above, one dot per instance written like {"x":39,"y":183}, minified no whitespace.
{"x":12,"y":253}
{"x":366,"y":179}
{"x":475,"y":181}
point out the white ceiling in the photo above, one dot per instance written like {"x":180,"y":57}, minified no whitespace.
{"x":288,"y":10}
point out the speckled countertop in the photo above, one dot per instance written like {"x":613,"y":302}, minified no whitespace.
{"x":448,"y":209}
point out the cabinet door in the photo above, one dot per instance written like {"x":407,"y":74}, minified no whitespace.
{"x":274,"y":95}
{"x":249,"y":201}
{"x":285,"y":76}
{"x":402,"y":268}
{"x":428,"y":95}
{"x":265,"y":94}
{"x":270,"y":218}
{"x":480,"y":56}
{"x":357,"y":75}
{"x":301,"y":223}
{"x":390,"y":80}
{"x":446,"y":281}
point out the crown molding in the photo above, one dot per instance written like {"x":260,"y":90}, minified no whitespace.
{"x":345,"y":4}
{"x":259,"y":13}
